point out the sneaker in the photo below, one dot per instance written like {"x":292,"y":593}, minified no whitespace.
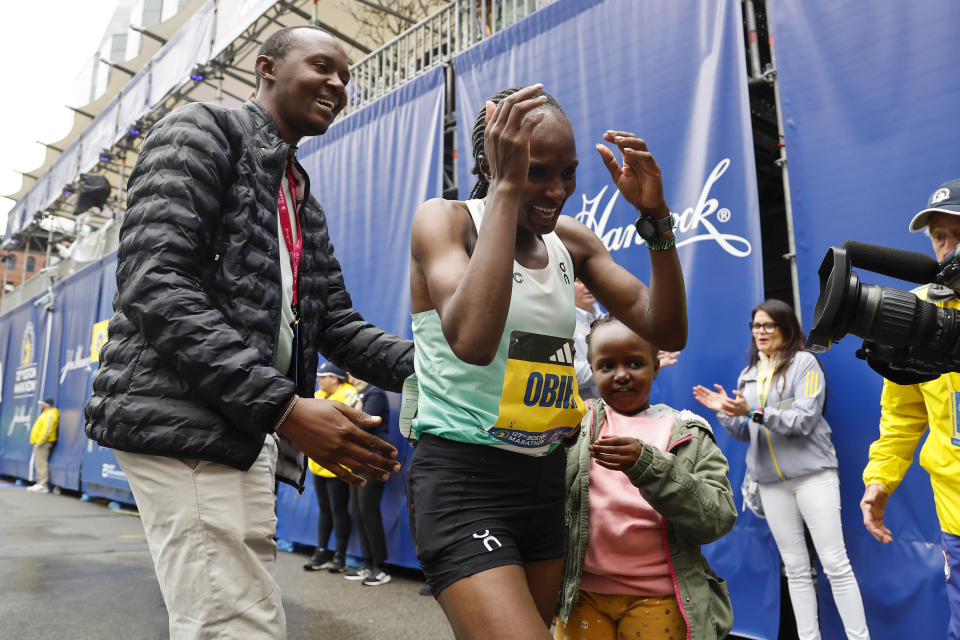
{"x":38,"y":488}
{"x":376,"y":578}
{"x":338,"y":564}
{"x":319,"y":560}
{"x":357,"y":573}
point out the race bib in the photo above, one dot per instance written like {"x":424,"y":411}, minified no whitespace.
{"x":540,"y":401}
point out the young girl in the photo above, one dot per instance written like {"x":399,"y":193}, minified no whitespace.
{"x":646,"y":487}
{"x":491,"y":283}
{"x":778,"y":408}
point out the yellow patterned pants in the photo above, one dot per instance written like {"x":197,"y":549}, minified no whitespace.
{"x":610,"y":617}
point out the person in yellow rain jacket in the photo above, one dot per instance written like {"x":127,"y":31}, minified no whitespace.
{"x":42,"y":436}
{"x":907,"y":410}
{"x":333,"y":494}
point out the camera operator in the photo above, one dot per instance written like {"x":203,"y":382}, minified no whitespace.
{"x":906,"y":410}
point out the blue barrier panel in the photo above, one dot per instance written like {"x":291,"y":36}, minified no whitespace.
{"x":74,"y":313}
{"x":870,"y":106}
{"x":4,"y":342}
{"x":27,"y":355}
{"x":371,"y":171}
{"x":100,"y":475}
{"x":673,"y":73}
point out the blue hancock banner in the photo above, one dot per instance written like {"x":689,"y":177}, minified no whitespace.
{"x":870,"y":103}
{"x":101,"y":475}
{"x":371,"y":171}
{"x":674,"y":74}
{"x":74,"y":314}
{"x":24,"y":369}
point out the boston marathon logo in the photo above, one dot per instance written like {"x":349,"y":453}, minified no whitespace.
{"x":25,"y":382}
{"x":693,"y":219}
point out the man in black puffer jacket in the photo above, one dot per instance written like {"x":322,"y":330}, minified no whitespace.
{"x":227,"y":288}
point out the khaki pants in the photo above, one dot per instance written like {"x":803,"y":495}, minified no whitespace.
{"x":210,"y":531}
{"x":41,"y":460}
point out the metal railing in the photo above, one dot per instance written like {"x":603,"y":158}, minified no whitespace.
{"x":433,"y":41}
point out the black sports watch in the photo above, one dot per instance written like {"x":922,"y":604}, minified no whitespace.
{"x":650,"y":228}
{"x":757,"y":415}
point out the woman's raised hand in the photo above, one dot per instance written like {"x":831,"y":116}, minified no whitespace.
{"x":506,"y":143}
{"x":639,"y":178}
{"x":713,"y":400}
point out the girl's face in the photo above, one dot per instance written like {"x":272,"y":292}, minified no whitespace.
{"x":624,"y":367}
{"x":768,"y":341}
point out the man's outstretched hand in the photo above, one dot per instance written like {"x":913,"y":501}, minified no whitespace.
{"x":327,"y":431}
{"x":873,"y":505}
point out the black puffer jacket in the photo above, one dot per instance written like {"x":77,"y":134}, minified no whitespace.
{"x":188,"y":369}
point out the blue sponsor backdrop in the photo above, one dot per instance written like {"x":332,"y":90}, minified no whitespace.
{"x":74,"y":312}
{"x":30,"y":328}
{"x":870,"y":103}
{"x":101,"y":474}
{"x":674,"y":74}
{"x":372,"y":170}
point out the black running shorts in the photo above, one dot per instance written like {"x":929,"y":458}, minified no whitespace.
{"x":474,"y":507}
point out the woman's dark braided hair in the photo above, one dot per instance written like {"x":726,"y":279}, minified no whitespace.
{"x":480,"y":125}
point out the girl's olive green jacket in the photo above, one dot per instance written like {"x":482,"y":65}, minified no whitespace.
{"x":688,"y":486}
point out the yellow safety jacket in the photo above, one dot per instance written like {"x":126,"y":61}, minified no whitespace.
{"x":905,"y":413}
{"x":347,"y":394}
{"x":45,"y":427}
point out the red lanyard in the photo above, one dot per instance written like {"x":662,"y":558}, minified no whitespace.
{"x":295,"y":249}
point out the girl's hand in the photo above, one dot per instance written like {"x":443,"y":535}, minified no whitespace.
{"x":713,"y":400}
{"x":506,"y":142}
{"x":639,"y":178}
{"x":616,"y":452}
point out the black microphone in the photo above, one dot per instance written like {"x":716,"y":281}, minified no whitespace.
{"x":896,"y":263}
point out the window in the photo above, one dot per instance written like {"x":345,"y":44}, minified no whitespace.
{"x":11,"y":262}
{"x":31,"y":264}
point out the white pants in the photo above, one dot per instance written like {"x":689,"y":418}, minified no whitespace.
{"x":815,"y":500}
{"x":210,"y":531}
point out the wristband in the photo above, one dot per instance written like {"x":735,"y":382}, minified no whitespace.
{"x":286,"y":412}
{"x":662,"y":246}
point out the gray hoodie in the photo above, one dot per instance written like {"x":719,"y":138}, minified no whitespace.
{"x":794,"y":439}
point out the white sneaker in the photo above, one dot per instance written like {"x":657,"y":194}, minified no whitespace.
{"x":376,"y":579}
{"x":38,"y":488}
{"x":360,"y":573}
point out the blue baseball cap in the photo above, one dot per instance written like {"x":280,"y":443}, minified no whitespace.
{"x":946,"y":199}
{"x":330,"y":369}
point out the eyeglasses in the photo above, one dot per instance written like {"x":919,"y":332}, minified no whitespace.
{"x":762,"y":327}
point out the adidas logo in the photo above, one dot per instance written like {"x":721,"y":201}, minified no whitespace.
{"x":564,"y":355}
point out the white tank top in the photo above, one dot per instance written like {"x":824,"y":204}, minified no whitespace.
{"x":527,"y":398}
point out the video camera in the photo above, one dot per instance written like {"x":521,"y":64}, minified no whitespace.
{"x":906,"y":340}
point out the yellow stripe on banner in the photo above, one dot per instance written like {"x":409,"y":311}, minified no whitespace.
{"x":770,"y":444}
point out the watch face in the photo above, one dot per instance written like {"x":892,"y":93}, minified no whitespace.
{"x":650,"y":229}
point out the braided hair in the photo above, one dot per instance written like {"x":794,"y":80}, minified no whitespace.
{"x":605,"y":319}
{"x":480,"y":126}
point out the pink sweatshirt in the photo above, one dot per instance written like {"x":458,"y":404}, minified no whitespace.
{"x":625,"y":552}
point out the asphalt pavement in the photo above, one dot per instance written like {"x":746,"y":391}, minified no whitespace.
{"x":73,"y":570}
